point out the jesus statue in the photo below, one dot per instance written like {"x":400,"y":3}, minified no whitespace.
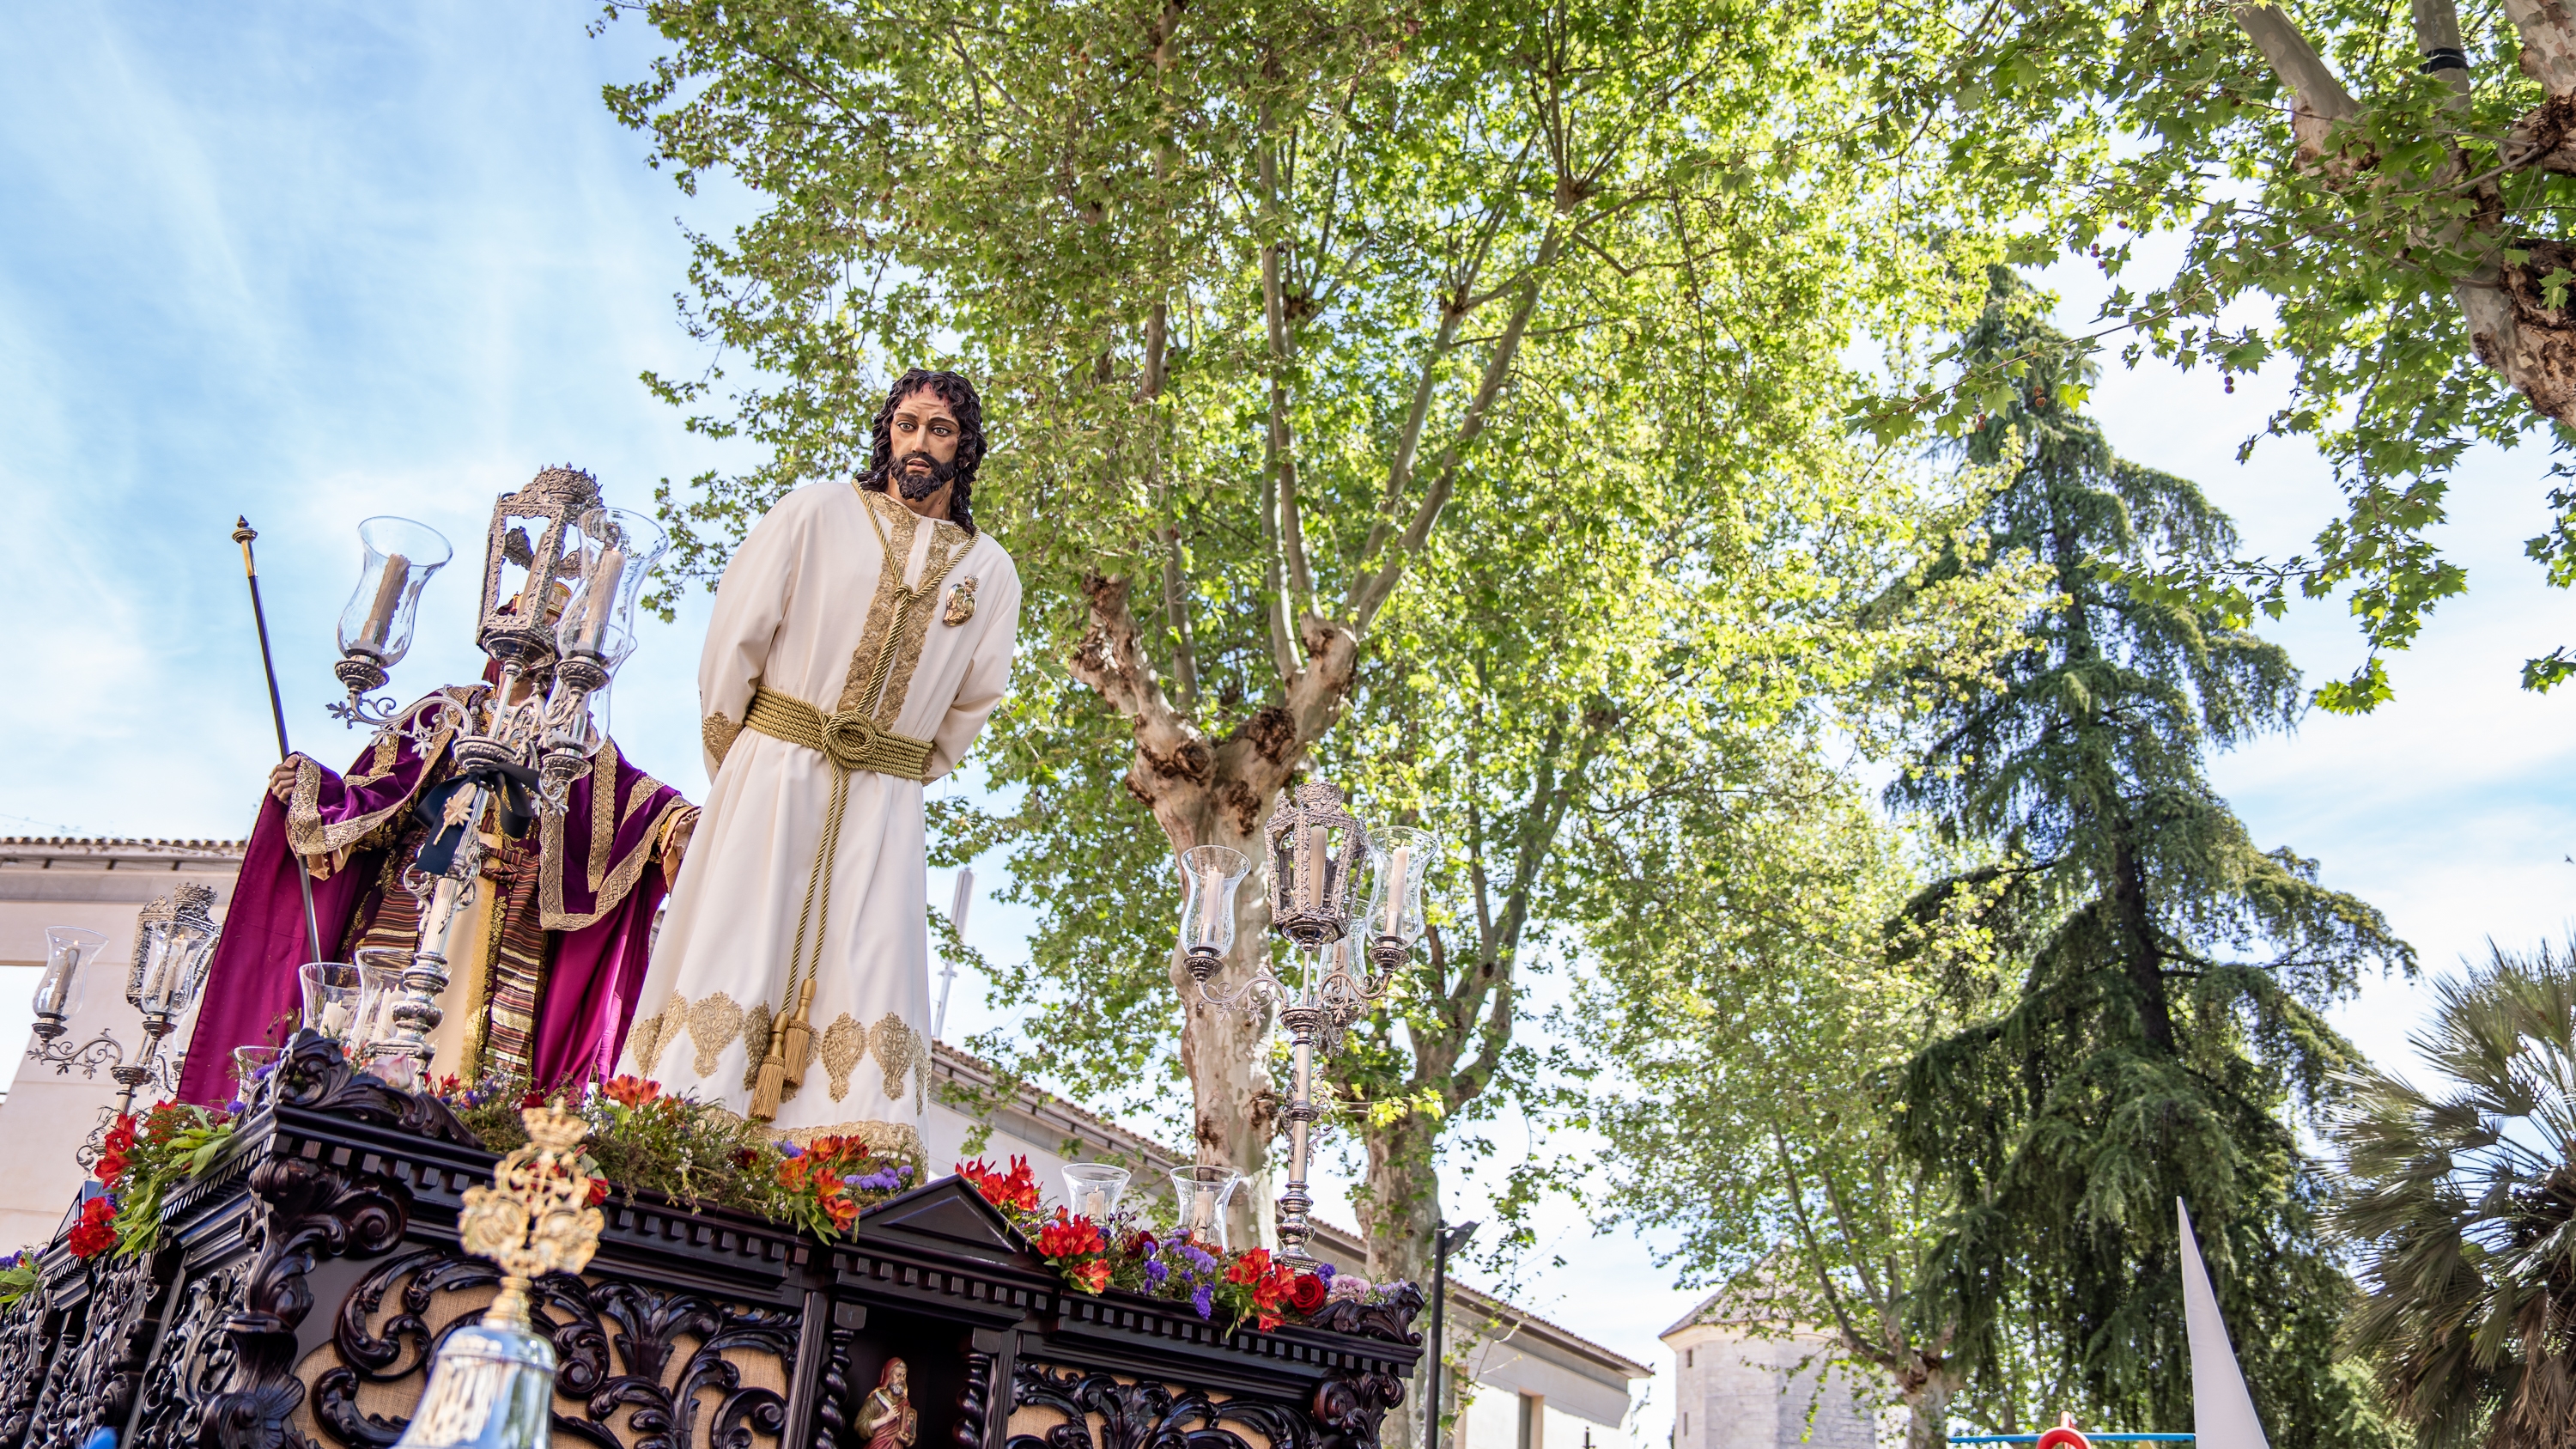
{"x":862,"y":634}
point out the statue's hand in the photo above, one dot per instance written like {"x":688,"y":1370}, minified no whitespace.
{"x":675,"y":848}
{"x":281,"y":781}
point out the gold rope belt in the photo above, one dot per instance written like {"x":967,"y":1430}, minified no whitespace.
{"x":852,"y":740}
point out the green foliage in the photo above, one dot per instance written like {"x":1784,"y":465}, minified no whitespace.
{"x":2463,"y":1195}
{"x":2096,"y":124}
{"x":2164,"y":1012}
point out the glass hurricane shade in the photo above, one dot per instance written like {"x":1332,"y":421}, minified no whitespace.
{"x":1210,"y":876}
{"x":380,"y":971}
{"x":1091,"y":1189}
{"x":334,"y":998}
{"x":67,"y":949}
{"x":610,"y":555}
{"x":171,"y":968}
{"x":1200,"y":1194}
{"x":1400,"y":858}
{"x":400,"y":557}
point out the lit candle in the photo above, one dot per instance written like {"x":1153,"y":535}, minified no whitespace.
{"x":603,"y":597}
{"x":335,"y":1018}
{"x":1095,"y":1205}
{"x":1209,"y":880}
{"x":1395,"y":890}
{"x":380,"y":612}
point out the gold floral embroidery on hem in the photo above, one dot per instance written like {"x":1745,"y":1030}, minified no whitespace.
{"x":645,"y":1040}
{"x":381,"y":763}
{"x":897,"y":1047}
{"x":713,"y":1024}
{"x":845,"y":1045}
{"x":718,"y":734}
{"x":899,"y":1140}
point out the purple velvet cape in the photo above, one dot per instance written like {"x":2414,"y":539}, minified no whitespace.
{"x":600,"y":910}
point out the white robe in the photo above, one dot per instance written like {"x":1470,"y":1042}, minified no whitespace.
{"x":797,"y":607}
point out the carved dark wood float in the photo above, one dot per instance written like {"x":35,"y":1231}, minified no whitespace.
{"x":303,"y":1281}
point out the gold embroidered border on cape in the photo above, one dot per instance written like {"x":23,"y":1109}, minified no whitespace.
{"x":712,"y":1024}
{"x":608,"y":885}
{"x":306,"y":835}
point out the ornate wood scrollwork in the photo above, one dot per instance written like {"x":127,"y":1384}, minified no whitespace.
{"x":317,"y":1074}
{"x":1389,"y":1322}
{"x":107,"y":1341}
{"x":195,"y":1359}
{"x":1350,"y":1408}
{"x":27,"y":1348}
{"x":659,"y":1397}
{"x":1146,"y":1415}
{"x":832,"y":1399}
{"x":306,"y":1210}
{"x":972,"y":1399}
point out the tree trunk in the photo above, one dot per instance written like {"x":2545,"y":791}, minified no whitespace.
{"x":1219,"y":792}
{"x":1927,"y":1412}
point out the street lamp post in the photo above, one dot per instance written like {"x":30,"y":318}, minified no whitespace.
{"x":1443,"y":1238}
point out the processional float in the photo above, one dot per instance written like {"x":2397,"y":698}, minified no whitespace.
{"x":339,"y":1274}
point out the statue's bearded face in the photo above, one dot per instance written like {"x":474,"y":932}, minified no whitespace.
{"x":925,"y":437}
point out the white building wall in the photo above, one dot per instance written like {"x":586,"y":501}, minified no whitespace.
{"x":1737,"y":1390}
{"x":51,"y":1111}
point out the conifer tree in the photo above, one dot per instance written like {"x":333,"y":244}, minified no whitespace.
{"x":2159,"y":1018}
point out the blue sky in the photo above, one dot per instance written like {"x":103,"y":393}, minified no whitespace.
{"x":311,"y":262}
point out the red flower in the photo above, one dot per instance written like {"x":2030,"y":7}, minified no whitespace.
{"x":630,"y":1091}
{"x":1070,"y":1237}
{"x":533,"y":1099}
{"x":114,"y":1152}
{"x":1306,"y":1294}
{"x":840,"y":1209}
{"x":1093,"y":1275}
{"x":1252,"y":1267}
{"x":95,"y":1233}
{"x":1019,"y":1189}
{"x":1265,"y":1321}
{"x":598,"y":1191}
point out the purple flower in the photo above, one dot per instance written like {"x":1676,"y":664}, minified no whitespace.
{"x":1325,"y":1272}
{"x":233,"y":1106}
{"x":905,"y":1171}
{"x":885,"y":1180}
{"x":1199,"y":1257}
{"x":790,"y":1150}
{"x":1156,"y":1270}
{"x":1203,"y":1299}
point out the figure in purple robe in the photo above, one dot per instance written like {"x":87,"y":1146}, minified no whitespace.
{"x":556,"y":938}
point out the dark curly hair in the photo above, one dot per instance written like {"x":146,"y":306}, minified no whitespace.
{"x":960,"y":396}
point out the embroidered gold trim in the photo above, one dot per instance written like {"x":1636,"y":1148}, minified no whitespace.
{"x":898,"y":1140}
{"x":845,"y":1045}
{"x":381,"y":764}
{"x":755,"y":1044}
{"x":886,"y":611}
{"x":896,"y":1046}
{"x":645,"y":1040}
{"x":713,"y":1024}
{"x":644,"y":788}
{"x":607,"y":891}
{"x":603,"y":810}
{"x":306,"y":834}
{"x":718,"y":733}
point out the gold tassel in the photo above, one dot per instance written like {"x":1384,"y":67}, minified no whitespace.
{"x":773,"y":1073}
{"x":800,"y":1037}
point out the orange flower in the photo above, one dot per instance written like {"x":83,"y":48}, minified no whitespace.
{"x":1093,"y":1275}
{"x":1069,"y":1237}
{"x":630,"y":1091}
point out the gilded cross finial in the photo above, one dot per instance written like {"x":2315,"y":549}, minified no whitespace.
{"x":536,"y":1217}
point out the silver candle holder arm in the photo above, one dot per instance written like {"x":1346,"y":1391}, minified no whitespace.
{"x":174,"y":942}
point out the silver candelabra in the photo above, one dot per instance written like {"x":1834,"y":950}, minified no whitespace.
{"x":1316,"y":852}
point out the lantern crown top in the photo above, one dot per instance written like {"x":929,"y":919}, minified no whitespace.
{"x":1315,"y":844}
{"x":515,"y":620}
